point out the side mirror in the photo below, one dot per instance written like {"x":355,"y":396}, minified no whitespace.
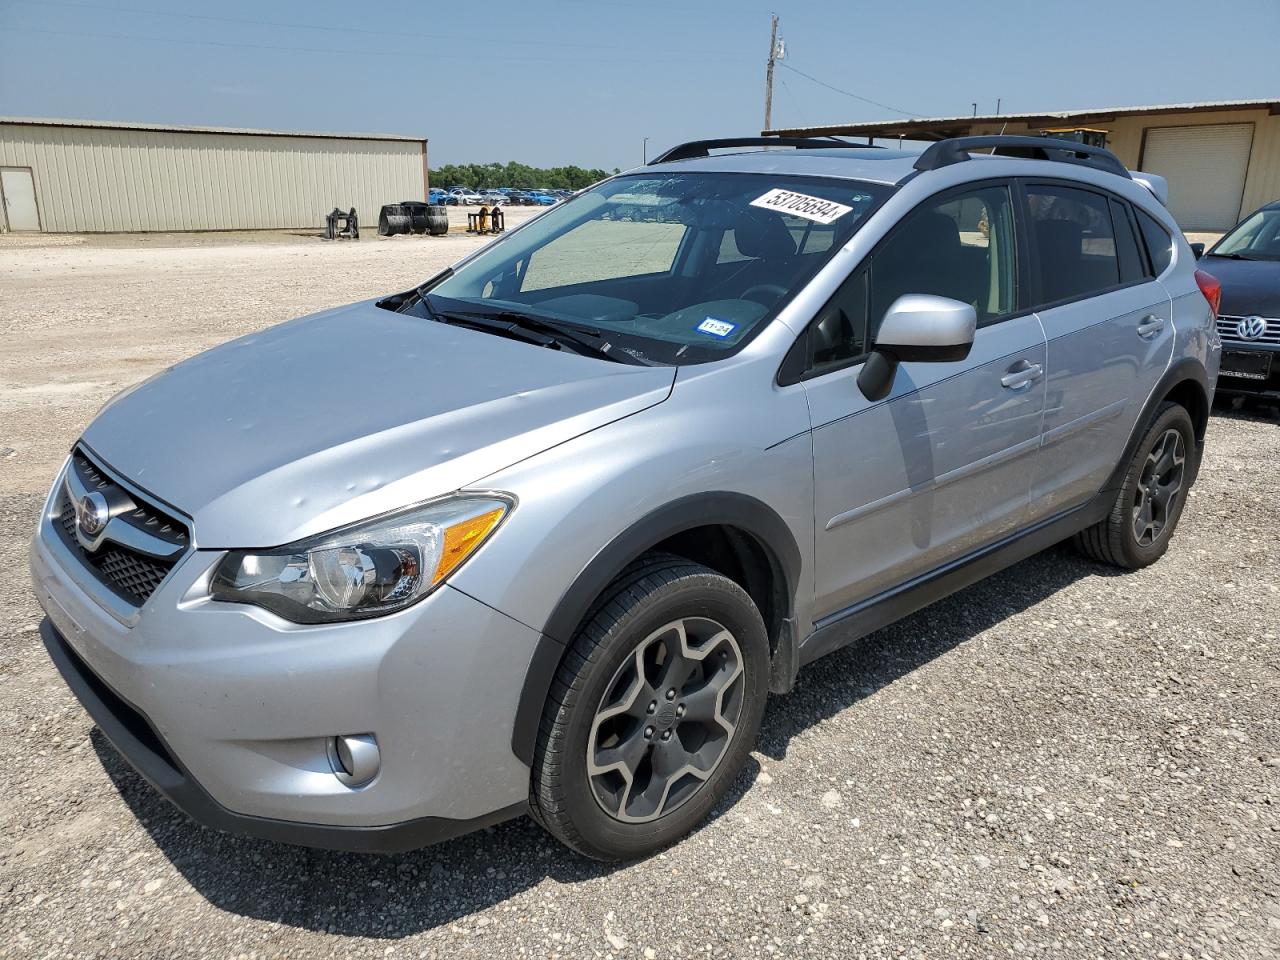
{"x":1198,"y":250}
{"x":917,"y":327}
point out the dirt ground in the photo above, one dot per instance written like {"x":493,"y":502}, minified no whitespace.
{"x":1061,"y":762}
{"x":84,"y":316}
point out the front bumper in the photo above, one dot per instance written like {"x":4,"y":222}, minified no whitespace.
{"x":1229,"y":385}
{"x":137,"y":741}
{"x":228,"y":710}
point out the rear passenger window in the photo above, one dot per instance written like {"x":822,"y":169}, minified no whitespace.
{"x":1128,"y":252}
{"x":1159,"y":243}
{"x":1075,"y":242}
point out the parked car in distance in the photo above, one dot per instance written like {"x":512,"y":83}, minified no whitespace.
{"x":465,"y":196}
{"x":437,"y":196}
{"x":1246,"y":261}
{"x":598,"y":491}
{"x":520,"y":198}
{"x":494,"y":198}
{"x":543,"y":199}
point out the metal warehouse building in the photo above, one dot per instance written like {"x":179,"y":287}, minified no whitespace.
{"x":71,"y":176}
{"x":1222,"y":160}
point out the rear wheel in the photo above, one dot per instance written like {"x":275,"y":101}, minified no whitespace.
{"x":653,"y":711}
{"x":1137,"y":530}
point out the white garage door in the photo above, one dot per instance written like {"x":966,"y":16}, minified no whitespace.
{"x":1205,"y":167}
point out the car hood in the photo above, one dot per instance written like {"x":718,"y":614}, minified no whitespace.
{"x":1248,"y":286}
{"x":328,"y":420}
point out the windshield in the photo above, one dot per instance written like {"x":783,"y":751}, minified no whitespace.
{"x":672,"y":268}
{"x":1257,"y":238}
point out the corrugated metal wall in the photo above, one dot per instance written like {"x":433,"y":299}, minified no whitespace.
{"x":1124,"y":139}
{"x":92,"y":179}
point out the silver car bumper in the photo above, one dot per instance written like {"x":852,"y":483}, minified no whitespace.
{"x":229,"y":710}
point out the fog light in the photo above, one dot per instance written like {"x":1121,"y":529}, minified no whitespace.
{"x":354,"y":758}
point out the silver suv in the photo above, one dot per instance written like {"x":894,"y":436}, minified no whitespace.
{"x":542,"y":534}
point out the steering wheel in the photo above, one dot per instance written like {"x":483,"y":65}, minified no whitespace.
{"x":777,"y":290}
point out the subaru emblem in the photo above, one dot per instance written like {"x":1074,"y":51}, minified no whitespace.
{"x":92,"y":514}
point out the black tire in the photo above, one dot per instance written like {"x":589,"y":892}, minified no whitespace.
{"x":1115,"y":540}
{"x":650,"y":593}
{"x":393,"y":219}
{"x":437,"y":221}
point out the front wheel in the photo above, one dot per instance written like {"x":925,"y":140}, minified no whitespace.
{"x":1137,"y":530}
{"x":653,"y":710}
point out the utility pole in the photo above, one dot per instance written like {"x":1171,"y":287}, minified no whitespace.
{"x":768,"y":77}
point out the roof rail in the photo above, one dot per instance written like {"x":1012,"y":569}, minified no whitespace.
{"x":956,"y":150}
{"x":703,"y":148}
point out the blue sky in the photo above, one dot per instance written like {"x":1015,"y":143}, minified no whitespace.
{"x":584,"y":81}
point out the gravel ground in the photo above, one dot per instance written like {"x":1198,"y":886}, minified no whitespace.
{"x":1061,"y":762}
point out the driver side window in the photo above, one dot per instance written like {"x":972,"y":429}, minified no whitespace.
{"x":961,"y":246}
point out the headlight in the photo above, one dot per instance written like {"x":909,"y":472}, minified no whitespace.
{"x":362,"y":571}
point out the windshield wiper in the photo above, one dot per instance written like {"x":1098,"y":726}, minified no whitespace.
{"x":504,"y":328}
{"x":583,"y":338}
{"x":1234,"y":256}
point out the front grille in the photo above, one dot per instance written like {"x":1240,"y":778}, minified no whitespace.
{"x":1228,"y":330}
{"x":131,"y":575}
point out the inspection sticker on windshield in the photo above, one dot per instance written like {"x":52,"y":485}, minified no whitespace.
{"x":717,"y":328}
{"x":802,"y":205}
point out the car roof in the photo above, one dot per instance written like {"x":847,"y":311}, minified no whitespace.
{"x":886,"y":166}
{"x":849,"y":163}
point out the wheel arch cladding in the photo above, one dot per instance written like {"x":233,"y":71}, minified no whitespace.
{"x":1193,"y":395}
{"x":732,"y":533}
{"x":1186,"y":383}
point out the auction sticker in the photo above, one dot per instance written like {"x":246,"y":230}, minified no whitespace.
{"x":802,"y":205}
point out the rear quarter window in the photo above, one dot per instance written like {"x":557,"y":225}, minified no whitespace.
{"x":1159,"y":242}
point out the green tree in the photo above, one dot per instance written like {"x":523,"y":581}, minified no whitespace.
{"x":486,"y":176}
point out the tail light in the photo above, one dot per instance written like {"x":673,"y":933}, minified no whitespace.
{"x":1212,"y":290}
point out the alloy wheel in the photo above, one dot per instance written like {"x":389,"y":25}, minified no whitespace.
{"x":665,"y":720}
{"x":1158,"y":487}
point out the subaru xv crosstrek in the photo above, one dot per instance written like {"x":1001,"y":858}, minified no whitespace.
{"x":543,"y":534}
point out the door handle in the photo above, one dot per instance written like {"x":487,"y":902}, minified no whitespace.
{"x":1149,"y":326}
{"x":1022,"y":374}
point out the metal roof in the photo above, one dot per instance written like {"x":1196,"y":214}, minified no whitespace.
{"x":172,"y":128}
{"x":947,"y":126}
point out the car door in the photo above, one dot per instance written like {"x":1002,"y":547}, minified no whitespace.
{"x":944,"y":464}
{"x":1109,"y":326}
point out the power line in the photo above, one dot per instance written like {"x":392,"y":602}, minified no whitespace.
{"x":795,"y":101}
{"x":823,"y":83}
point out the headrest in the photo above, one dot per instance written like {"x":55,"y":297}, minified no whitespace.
{"x":931,"y":236}
{"x":762,"y":235}
{"x":1059,"y":239}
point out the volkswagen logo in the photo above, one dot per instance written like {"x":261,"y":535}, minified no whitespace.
{"x":1251,"y":328}
{"x":92,"y":514}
